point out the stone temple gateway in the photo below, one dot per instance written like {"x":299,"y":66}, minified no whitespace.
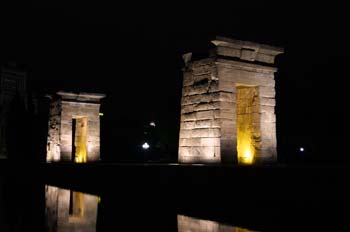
{"x":228,"y":105}
{"x":74,"y":127}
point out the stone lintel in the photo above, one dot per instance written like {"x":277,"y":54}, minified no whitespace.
{"x":241,"y":45}
{"x":72,"y":102}
{"x":81,"y":96}
{"x":246,"y":66}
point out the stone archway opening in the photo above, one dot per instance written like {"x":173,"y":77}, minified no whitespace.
{"x":76,"y":205}
{"x":248,"y":123}
{"x":79,"y":137}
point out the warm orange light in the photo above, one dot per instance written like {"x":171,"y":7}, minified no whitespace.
{"x":248,"y":157}
{"x":244,"y":147}
{"x":80,"y":140}
{"x":248,"y":130}
{"x":77,"y":204}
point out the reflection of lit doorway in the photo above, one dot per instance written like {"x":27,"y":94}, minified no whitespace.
{"x":248,"y":123}
{"x":76,"y":204}
{"x":79,"y":139}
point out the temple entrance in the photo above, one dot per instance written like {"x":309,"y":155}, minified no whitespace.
{"x":79,"y":140}
{"x":248,"y":123}
{"x":76,"y":204}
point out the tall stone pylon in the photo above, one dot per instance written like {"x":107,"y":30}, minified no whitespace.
{"x":228,"y":105}
{"x":74,"y":127}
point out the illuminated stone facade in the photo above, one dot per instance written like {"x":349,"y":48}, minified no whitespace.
{"x":228,"y":105}
{"x":191,"y":224}
{"x":69,"y":211}
{"x":74,"y":127}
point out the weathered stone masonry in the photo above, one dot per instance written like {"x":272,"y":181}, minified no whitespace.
{"x":227,"y":106}
{"x":69,"y":211}
{"x":74,"y":127}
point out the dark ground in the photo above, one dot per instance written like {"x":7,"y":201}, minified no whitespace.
{"x":148,"y":197}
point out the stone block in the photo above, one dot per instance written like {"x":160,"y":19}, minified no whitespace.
{"x":210,"y":142}
{"x":268,"y":117}
{"x":187,"y":109}
{"x":228,"y":51}
{"x":189,"y":142}
{"x":267,"y":101}
{"x":187,"y":125}
{"x":203,"y":62}
{"x":205,"y":133}
{"x":207,"y":106}
{"x":244,"y":77}
{"x":207,"y":114}
{"x":202,"y":77}
{"x":266,"y":58}
{"x":268,"y":128}
{"x":201,"y":70}
{"x":267,"y":92}
{"x":185,"y":151}
{"x":200,"y":98}
{"x":200,"y":89}
{"x":188,"y":117}
{"x":216,"y":123}
{"x":226,"y":86}
{"x":213,"y":87}
{"x":248,"y":54}
{"x":185,"y":134}
{"x":203,"y":123}
{"x":267,"y":109}
{"x":188,"y":79}
{"x":227,"y":97}
{"x":225,"y":114}
{"x":228,"y":105}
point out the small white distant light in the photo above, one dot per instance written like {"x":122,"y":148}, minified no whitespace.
{"x":145,"y":146}
{"x":152,"y":124}
{"x":301,"y":149}
{"x":101,"y":114}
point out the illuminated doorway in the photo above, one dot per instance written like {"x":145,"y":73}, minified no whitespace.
{"x":248,"y":123}
{"x":76,"y":204}
{"x":79,"y":137}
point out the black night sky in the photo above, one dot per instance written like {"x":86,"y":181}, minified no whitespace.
{"x":132,"y":52}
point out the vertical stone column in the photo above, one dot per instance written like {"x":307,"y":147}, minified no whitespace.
{"x":64,"y":108}
{"x":54,"y":131}
{"x":209,"y":116}
{"x":200,"y":129}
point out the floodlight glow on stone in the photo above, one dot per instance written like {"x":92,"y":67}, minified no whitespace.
{"x":145,"y":146}
{"x":235,"y":121}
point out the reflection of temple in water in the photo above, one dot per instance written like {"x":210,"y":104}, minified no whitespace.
{"x":190,"y":224}
{"x":69,"y":211}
